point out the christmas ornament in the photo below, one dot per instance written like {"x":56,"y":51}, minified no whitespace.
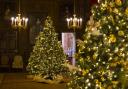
{"x":112,"y":38}
{"x":116,"y":11}
{"x":96,"y":32}
{"x":115,"y":82}
{"x":110,"y":9}
{"x":113,"y":64}
{"x":112,"y":4}
{"x":81,"y":60}
{"x":102,"y":78}
{"x":93,"y":26}
{"x":95,"y":56}
{"x":112,"y":19}
{"x":118,"y":2}
{"x":91,"y":21}
{"x":84,"y":72}
{"x":97,"y":24}
{"x":126,"y":11}
{"x":96,"y":80}
{"x":120,"y":33}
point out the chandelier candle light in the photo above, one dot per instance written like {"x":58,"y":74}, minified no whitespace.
{"x":19,"y":22}
{"x":74,"y":22}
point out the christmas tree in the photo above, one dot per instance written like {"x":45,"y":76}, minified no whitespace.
{"x":103,"y":52}
{"x":47,"y":57}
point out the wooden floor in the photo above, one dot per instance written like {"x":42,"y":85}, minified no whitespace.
{"x":20,"y":81}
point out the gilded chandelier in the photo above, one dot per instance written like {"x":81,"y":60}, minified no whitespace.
{"x":19,"y":22}
{"x":74,"y":22}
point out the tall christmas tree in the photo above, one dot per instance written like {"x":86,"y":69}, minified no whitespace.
{"x":47,"y":57}
{"x":103,"y":52}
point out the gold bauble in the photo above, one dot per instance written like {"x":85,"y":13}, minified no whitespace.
{"x":84,"y":72}
{"x":117,"y":17}
{"x":116,"y":10}
{"x":95,"y":56}
{"x":112,"y":19}
{"x":89,"y":28}
{"x":102,"y":78}
{"x":112,"y":4}
{"x":126,"y":11}
{"x":120,"y":33}
{"x":113,"y":64}
{"x":118,"y":2}
{"x":96,"y":80}
{"x":112,"y":38}
{"x":115,"y":82}
{"x":81,"y":59}
{"x":109,"y":8}
{"x":97,"y":24}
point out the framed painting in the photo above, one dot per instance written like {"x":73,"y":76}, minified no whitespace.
{"x":69,"y":45}
{"x":36,"y":25}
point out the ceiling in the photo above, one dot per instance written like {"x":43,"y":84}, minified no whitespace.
{"x":33,"y":9}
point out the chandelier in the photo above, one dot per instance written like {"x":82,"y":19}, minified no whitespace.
{"x":74,"y":22}
{"x":19,"y":22}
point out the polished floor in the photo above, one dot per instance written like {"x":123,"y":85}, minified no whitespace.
{"x":20,"y":81}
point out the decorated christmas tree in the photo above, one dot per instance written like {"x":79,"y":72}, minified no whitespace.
{"x":103,"y":52}
{"x":47,"y":57}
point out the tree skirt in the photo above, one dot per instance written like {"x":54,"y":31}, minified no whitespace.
{"x":57,"y":80}
{"x":30,"y":76}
